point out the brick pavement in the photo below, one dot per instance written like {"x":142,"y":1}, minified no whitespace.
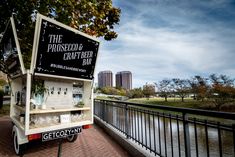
{"x":91,"y":142}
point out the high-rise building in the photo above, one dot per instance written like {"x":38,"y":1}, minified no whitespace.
{"x":105,"y":79}
{"x":124,"y":79}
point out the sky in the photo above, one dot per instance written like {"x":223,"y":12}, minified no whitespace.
{"x":164,"y":39}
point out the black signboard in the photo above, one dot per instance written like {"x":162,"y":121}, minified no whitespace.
{"x":65,"y":52}
{"x":9,"y":51}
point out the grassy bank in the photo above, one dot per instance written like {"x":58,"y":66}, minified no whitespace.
{"x":188,"y":103}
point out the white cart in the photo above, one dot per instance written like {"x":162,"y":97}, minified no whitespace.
{"x":54,"y":98}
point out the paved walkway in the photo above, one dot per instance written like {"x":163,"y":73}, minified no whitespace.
{"x":91,"y":142}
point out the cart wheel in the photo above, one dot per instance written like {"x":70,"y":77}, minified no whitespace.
{"x":72,"y":138}
{"x":19,"y":148}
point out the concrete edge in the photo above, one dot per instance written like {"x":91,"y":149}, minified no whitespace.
{"x":120,"y":139}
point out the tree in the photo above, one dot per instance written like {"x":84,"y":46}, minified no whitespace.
{"x":109,"y":90}
{"x":135,"y":93}
{"x":121,"y":92}
{"x":222,"y":90}
{"x":164,"y":88}
{"x":199,"y":87}
{"x":148,"y":90}
{"x":94,"y":17}
{"x":182,"y":87}
{"x":113,"y":91}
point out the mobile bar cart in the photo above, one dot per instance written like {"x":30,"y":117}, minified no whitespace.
{"x":54,"y":98}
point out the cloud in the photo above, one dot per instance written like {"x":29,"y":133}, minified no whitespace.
{"x":171,"y":39}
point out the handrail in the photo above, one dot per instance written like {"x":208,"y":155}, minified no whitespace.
{"x":217,"y":114}
{"x":161,"y":132}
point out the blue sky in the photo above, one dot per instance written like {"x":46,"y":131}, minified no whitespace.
{"x":161,"y":39}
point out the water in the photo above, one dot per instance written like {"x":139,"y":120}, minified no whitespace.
{"x":166,"y":137}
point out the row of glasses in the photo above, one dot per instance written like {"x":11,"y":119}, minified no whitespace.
{"x":38,"y":121}
{"x":77,"y":117}
{"x":41,"y":121}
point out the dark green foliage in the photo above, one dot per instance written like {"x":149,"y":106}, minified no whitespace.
{"x":113,"y":91}
{"x":94,"y":17}
{"x":38,"y":87}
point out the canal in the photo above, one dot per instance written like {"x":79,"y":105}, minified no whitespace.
{"x":164,"y":133}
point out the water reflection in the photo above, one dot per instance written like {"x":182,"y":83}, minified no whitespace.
{"x":166,"y":135}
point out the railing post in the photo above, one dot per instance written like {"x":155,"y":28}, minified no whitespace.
{"x":103,"y":110}
{"x":186,"y":135}
{"x":233,"y":126}
{"x":126,"y":121}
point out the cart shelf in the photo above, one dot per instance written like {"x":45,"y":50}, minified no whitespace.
{"x":54,"y":124}
{"x":53,"y":110}
{"x":46,"y":128}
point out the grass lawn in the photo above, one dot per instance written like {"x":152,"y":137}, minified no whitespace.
{"x":5,"y":110}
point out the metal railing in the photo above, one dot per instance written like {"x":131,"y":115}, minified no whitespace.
{"x":171,"y":131}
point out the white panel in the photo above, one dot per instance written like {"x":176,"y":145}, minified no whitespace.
{"x":57,"y":95}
